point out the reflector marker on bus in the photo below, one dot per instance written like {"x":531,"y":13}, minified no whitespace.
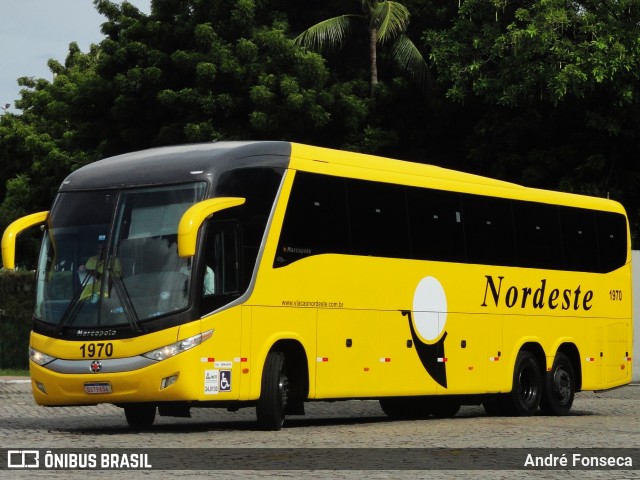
{"x":628,"y":359}
{"x":240,"y":360}
{"x":589,"y":359}
{"x":443,"y":360}
{"x":207,"y":360}
{"x":322,"y":359}
{"x":385,"y":360}
{"x":494,"y":359}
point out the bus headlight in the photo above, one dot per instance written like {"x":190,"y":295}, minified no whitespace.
{"x":39,"y":357}
{"x":169,"y":351}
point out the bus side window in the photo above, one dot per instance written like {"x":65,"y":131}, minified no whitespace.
{"x":612,"y":240}
{"x":538,"y":238}
{"x":378,"y":219}
{"x":436,"y":225}
{"x":488,"y":229}
{"x":579,"y":240}
{"x":316,"y":219}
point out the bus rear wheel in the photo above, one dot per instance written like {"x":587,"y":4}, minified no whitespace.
{"x":140,"y":415}
{"x":559,"y":387}
{"x":526,"y":392}
{"x":272,"y":403}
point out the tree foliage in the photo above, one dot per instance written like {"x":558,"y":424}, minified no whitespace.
{"x":541,"y":92}
{"x":190,"y":71}
{"x":386,"y":20}
{"x":557,"y":83}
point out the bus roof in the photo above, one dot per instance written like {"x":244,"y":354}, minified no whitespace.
{"x":202,"y":162}
{"x":369,"y":167}
{"x":176,"y":164}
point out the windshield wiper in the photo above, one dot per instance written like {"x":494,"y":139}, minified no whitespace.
{"x":74,"y":305}
{"x":127,"y":304}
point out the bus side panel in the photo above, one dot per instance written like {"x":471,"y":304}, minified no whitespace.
{"x":608,"y":334}
{"x":466,"y":355}
{"x":608,"y":363}
{"x":245,"y":355}
{"x":348,"y":363}
{"x":485,"y":314}
{"x":219,"y":359}
{"x":617,"y":354}
{"x":400,"y":370}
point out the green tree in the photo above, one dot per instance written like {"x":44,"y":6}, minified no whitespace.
{"x":189,"y":71}
{"x":202,"y":71}
{"x":385,"y":21}
{"x":555,"y":89}
{"x":512,"y":52}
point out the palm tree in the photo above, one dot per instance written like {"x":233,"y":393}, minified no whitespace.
{"x":386,"y":20}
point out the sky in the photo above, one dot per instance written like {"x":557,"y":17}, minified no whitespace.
{"x":34,"y":31}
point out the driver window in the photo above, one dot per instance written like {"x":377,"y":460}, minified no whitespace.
{"x":221,"y":256}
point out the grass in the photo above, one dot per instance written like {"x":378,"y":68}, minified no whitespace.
{"x":13,"y":372}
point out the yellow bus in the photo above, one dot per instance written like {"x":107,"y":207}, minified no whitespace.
{"x":270,"y":274}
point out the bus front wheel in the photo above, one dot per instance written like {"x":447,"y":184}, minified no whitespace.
{"x":526,"y":392}
{"x":274,"y":393}
{"x":559,"y":387}
{"x":140,"y":416}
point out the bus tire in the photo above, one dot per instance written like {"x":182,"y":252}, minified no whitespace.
{"x":559,"y":387}
{"x":274,"y":393}
{"x":526,"y":392}
{"x":140,"y":415}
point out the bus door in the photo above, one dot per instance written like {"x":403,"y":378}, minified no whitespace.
{"x":220,"y":280}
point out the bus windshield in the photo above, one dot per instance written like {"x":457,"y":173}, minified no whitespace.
{"x":109,"y":258}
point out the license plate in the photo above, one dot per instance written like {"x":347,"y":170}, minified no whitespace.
{"x":99,"y":387}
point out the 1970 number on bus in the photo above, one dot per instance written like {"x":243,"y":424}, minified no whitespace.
{"x":91,"y":350}
{"x":615,"y":295}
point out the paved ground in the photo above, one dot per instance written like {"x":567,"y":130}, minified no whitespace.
{"x":609,"y":419}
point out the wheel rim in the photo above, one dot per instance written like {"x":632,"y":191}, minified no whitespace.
{"x":528,"y":386}
{"x":562,"y":385}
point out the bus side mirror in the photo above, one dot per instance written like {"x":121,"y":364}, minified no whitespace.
{"x":12,"y":231}
{"x":193,"y":219}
